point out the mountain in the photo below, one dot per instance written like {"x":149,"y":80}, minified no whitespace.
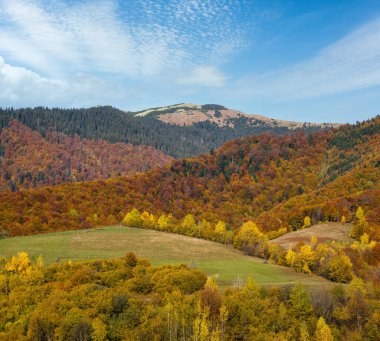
{"x":29,"y":160}
{"x":186,"y":114}
{"x":273,"y":180}
{"x":142,"y":128}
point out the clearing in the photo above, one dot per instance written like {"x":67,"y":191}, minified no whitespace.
{"x":324,"y":232}
{"x":223,"y":262}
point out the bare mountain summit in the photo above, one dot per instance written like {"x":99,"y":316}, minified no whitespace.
{"x":186,"y":114}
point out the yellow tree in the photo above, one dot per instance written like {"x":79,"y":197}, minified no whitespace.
{"x":188,"y":222}
{"x":360,"y":224}
{"x":306,"y":222}
{"x":323,"y":331}
{"x":290,"y":257}
{"x":20,"y":264}
{"x":164,"y":221}
{"x":148,"y":219}
{"x":251,"y":240}
{"x":307,"y":258}
{"x":133,"y":218}
{"x":220,"y":230}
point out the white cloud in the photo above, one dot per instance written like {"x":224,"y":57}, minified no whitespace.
{"x":208,"y":76}
{"x":19,"y":85}
{"x":351,"y":63}
{"x":120,"y":46}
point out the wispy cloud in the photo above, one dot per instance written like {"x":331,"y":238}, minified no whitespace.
{"x":51,"y":44}
{"x":144,"y":38}
{"x":351,"y":63}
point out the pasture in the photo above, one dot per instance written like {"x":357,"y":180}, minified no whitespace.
{"x":223,"y":262}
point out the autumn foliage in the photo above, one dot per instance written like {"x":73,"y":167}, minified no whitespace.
{"x":128,"y":299}
{"x":30,"y":160}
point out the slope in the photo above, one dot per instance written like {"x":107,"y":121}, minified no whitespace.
{"x":30,"y":160}
{"x":323,"y":232}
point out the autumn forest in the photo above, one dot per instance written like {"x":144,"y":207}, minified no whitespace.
{"x":245,"y":190}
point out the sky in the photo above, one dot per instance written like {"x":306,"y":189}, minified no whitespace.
{"x":302,"y":60}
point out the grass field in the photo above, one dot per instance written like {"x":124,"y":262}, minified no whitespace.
{"x":324,"y":233}
{"x":222,"y":262}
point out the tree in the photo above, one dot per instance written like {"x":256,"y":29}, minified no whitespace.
{"x":164,"y":221}
{"x":20,"y":264}
{"x":291,"y":257}
{"x":133,"y":218}
{"x":188,"y":222}
{"x":339,"y":267}
{"x":148,"y":219}
{"x":251,"y":240}
{"x":360,"y":224}
{"x":220,"y":230}
{"x":323,"y":331}
{"x":306,"y":222}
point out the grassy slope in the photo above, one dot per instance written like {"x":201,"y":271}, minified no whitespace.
{"x":223,"y":262}
{"x":323,"y":232}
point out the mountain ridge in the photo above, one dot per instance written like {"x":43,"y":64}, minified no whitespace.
{"x":188,"y":114}
{"x":113,"y":125}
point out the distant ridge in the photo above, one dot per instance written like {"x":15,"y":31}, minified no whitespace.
{"x":181,"y":130}
{"x":185,"y":114}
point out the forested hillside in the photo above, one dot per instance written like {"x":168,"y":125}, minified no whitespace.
{"x":113,"y":125}
{"x":30,"y":160}
{"x":273,"y":180}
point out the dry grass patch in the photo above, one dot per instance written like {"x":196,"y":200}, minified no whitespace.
{"x":324,"y":232}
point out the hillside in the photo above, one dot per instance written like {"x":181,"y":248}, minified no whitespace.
{"x":189,"y":114}
{"x":30,"y":160}
{"x":273,"y":180}
{"x":113,"y":125}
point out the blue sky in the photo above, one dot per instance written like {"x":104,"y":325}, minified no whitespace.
{"x":298,"y":60}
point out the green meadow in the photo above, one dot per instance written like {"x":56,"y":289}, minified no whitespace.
{"x":223,"y":262}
